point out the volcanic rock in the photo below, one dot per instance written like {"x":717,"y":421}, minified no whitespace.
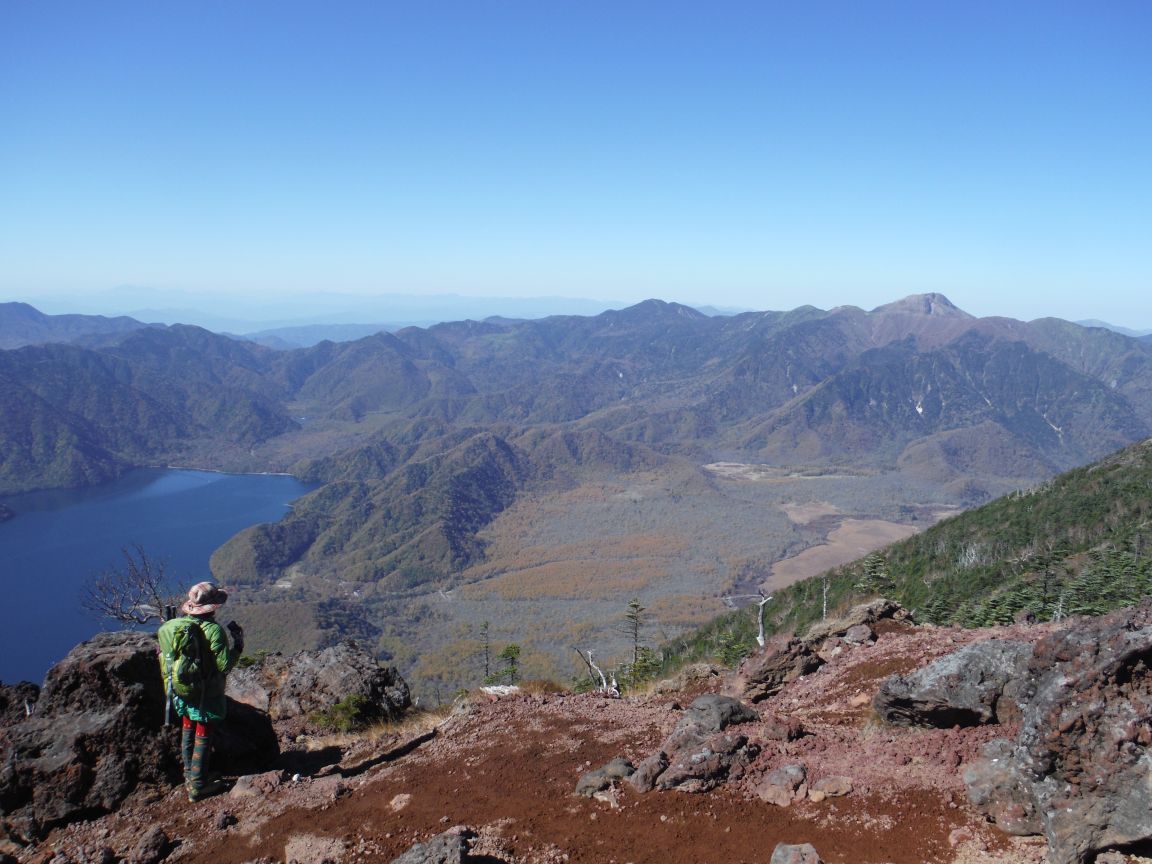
{"x":802,"y":853}
{"x":858,"y":619}
{"x":783,"y":785}
{"x":976,"y":685}
{"x":1082,"y":756}
{"x":605,"y":776}
{"x":715,"y":713}
{"x":782,"y":661}
{"x":699,"y":755}
{"x":997,"y":789}
{"x":311,"y":681}
{"x":98,"y":734}
{"x":833,"y":787}
{"x":153,"y":847}
{"x":15,"y":700}
{"x":451,"y":847}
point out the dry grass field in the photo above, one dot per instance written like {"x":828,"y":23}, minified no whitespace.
{"x":560,"y":568}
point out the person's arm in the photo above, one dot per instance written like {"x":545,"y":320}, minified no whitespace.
{"x":226,"y":656}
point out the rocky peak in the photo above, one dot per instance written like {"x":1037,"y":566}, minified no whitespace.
{"x":923,"y":304}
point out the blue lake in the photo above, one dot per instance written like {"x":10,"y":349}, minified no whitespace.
{"x":60,"y":539}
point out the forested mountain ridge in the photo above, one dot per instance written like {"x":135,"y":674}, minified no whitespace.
{"x":74,"y":416}
{"x":22,"y":324}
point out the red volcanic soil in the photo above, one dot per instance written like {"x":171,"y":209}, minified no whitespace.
{"x":508,"y":770}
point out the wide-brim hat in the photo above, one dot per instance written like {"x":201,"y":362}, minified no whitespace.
{"x":204,"y":597}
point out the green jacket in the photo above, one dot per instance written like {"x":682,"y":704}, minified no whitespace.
{"x":213,"y":707}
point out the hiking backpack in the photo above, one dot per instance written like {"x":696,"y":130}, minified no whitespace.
{"x":186,"y":659}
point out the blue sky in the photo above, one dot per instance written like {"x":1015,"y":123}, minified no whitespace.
{"x":754,"y":154}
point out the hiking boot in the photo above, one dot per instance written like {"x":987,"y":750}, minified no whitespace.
{"x":200,"y":790}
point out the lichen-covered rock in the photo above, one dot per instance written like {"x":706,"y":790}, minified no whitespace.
{"x":976,"y":685}
{"x":311,"y":681}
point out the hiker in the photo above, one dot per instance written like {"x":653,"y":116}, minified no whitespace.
{"x":197,"y":642}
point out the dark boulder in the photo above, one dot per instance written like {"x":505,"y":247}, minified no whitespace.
{"x":311,"y":681}
{"x":98,"y":734}
{"x":603,"y":777}
{"x":451,"y":847}
{"x":699,"y":754}
{"x":715,"y":713}
{"x":1081,"y":758}
{"x":976,"y":685}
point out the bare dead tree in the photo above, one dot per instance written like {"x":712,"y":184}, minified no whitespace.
{"x":761,"y":601}
{"x":606,"y":688}
{"x":133,"y":594}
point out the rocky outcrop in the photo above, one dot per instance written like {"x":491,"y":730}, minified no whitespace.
{"x":783,"y":660}
{"x":693,"y":675}
{"x":451,"y":847}
{"x":604,"y":777}
{"x":98,"y":734}
{"x":998,"y":789}
{"x":861,"y":622}
{"x":976,"y":685}
{"x":700,"y":754}
{"x":1079,"y":768}
{"x":16,"y":701}
{"x":311,"y":681}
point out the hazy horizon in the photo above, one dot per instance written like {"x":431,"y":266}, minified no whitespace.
{"x":752,"y":155}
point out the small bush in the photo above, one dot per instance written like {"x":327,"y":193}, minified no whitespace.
{"x":348,"y":715}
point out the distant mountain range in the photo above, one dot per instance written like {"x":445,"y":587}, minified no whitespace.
{"x":1136,"y":334}
{"x":425,"y":441}
{"x":232,"y":313}
{"x":915,"y":385}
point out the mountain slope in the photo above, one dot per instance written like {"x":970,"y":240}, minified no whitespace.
{"x":21,"y":324}
{"x":1080,"y":543}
